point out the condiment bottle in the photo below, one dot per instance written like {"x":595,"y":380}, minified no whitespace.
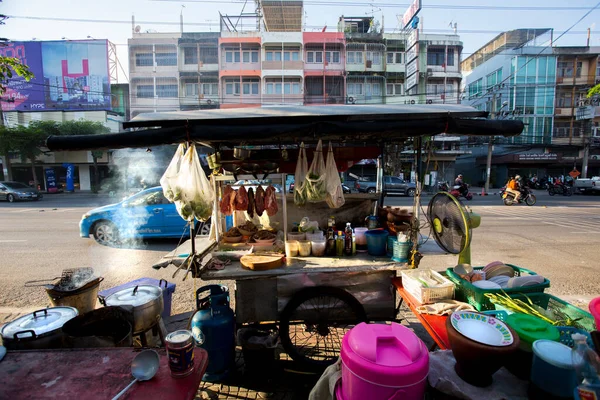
{"x":348,"y":240}
{"x":339,"y":244}
{"x":330,"y":251}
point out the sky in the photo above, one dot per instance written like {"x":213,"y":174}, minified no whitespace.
{"x":478,"y":21}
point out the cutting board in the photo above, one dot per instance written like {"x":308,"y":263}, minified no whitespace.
{"x":262,"y":262}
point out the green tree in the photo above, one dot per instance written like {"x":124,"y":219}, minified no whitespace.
{"x":595,"y":91}
{"x":30,"y":140}
{"x":8,"y":65}
{"x":83,"y":127}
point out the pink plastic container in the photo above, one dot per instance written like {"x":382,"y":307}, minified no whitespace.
{"x":595,"y":310}
{"x":383,"y":362}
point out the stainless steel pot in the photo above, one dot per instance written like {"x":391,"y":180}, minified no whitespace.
{"x":147,"y":303}
{"x":41,"y":329}
{"x":241,"y":153}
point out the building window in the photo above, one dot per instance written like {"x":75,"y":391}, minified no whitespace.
{"x":191,"y":89}
{"x":394,"y":57}
{"x":355,"y":89}
{"x":166,"y":59}
{"x":232,"y":56}
{"x":355,"y":57}
{"x":166,"y":90}
{"x":232,"y":87}
{"x":143,"y":60}
{"x":394,"y":89}
{"x":210,"y":89}
{"x":145,"y":91}
{"x":494,"y":78}
{"x":249,"y":56}
{"x":209,"y":55}
{"x":250,"y":87}
{"x":438,"y":89}
{"x":314,"y":57}
{"x":291,"y":56}
{"x":332,"y":57}
{"x":435,"y":56}
{"x":450,"y":57}
{"x":374,"y":57}
{"x":565,"y":69}
{"x":376,"y":89}
{"x":190,"y":55}
{"x":289,"y":87}
{"x":476,"y":88}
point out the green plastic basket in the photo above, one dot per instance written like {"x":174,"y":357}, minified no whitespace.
{"x":465,"y":291}
{"x":547,"y":302}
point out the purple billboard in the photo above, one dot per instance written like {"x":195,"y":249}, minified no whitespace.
{"x":69,"y":75}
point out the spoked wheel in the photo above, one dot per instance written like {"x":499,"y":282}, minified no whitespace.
{"x":568,"y":192}
{"x":508,"y":201}
{"x":530,"y":200}
{"x":551,"y":192}
{"x":314,"y":322}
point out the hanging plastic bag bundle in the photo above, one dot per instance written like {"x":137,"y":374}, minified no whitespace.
{"x":197,"y":194}
{"x":335,"y":192}
{"x":168,"y":181}
{"x":315,"y":185}
{"x":300,"y":176}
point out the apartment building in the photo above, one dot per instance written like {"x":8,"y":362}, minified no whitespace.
{"x":324,"y":68}
{"x":519,"y":75}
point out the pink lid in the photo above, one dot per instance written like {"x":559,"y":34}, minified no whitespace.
{"x":390,"y":355}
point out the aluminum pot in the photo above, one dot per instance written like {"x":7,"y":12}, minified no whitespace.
{"x":83,"y":298}
{"x":41,"y":329}
{"x":147,"y":303}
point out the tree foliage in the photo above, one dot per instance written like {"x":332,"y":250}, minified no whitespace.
{"x":10,"y":66}
{"x":595,"y":91}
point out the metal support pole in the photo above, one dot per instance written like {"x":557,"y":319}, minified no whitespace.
{"x":488,"y":169}
{"x":586,"y":150}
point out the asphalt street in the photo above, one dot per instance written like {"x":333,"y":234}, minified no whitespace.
{"x":559,"y":238}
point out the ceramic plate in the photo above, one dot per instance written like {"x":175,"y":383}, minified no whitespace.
{"x":482,"y":328}
{"x":500,"y":280}
{"x":486,"y":285}
{"x":527,"y":280}
{"x":500,"y":270}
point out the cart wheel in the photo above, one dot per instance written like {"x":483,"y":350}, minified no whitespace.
{"x":315,"y":320}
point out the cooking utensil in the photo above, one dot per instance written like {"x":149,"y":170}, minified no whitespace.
{"x":552,"y":372}
{"x":241,"y":153}
{"x":263,"y":262}
{"x":147,"y":303}
{"x":69,"y":277}
{"x":463,"y":269}
{"x":82,"y":298}
{"x":143,"y":368}
{"x":41,"y":329}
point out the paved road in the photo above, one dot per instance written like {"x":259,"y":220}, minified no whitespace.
{"x":559,"y":238}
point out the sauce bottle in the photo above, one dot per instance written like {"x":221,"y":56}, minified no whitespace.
{"x":331,"y":251}
{"x":348,"y":240}
{"x":339,"y":244}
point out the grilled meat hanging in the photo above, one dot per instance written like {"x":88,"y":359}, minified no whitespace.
{"x":271,"y":201}
{"x":225,"y":205}
{"x":241,"y":199}
{"x":259,"y":201}
{"x":251,"y":203}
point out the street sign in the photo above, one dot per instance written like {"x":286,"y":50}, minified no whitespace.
{"x":413,"y":38}
{"x":412,"y":67}
{"x":411,"y":82}
{"x":538,"y":157}
{"x":410,"y":13}
{"x":574,"y":174}
{"x":412,"y":53}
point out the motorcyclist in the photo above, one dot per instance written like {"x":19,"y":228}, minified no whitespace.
{"x":513,"y":187}
{"x":462,"y":186}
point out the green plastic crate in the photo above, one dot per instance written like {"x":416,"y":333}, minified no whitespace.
{"x":549,"y":303}
{"x":468,"y":293}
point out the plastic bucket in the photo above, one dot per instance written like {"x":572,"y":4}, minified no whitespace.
{"x":377,"y":242}
{"x":401,"y":250}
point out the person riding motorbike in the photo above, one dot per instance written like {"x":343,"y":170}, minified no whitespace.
{"x":513,"y":187}
{"x":459,"y":184}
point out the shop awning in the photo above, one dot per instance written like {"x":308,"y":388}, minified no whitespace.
{"x":367,"y":124}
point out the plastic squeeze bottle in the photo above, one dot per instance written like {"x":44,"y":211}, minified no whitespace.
{"x":587,"y":364}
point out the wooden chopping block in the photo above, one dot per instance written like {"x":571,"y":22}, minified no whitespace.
{"x":262,"y":262}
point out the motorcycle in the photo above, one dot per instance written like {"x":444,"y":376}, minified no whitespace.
{"x":442,"y":186}
{"x":461,"y":190}
{"x":526,"y":197}
{"x":559,"y":189}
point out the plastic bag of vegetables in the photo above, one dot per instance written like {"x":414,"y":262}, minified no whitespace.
{"x":315,"y":184}
{"x":197,"y":194}
{"x":300,"y":176}
{"x":169,"y":179}
{"x":335,"y":192}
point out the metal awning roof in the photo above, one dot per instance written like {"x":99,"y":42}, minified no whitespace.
{"x":291,"y":124}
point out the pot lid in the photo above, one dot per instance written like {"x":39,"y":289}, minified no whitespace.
{"x":554,"y":353}
{"x":135,"y":296}
{"x":530,"y":328}
{"x":40,"y":322}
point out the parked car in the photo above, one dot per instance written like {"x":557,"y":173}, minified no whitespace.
{"x":147,"y":214}
{"x":591,"y":185}
{"x":13,"y":191}
{"x":391,"y":185}
{"x":345,"y":188}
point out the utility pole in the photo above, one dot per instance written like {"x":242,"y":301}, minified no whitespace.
{"x":5,"y":158}
{"x":488,"y":169}
{"x":586,"y":150}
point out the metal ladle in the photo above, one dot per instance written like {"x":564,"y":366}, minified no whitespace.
{"x":143,"y":368}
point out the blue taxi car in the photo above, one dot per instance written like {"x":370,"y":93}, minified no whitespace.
{"x":147,"y":214}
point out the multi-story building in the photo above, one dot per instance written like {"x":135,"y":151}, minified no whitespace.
{"x":324,"y":68}
{"x":154,"y":72}
{"x":519,"y":75}
{"x":282,"y":68}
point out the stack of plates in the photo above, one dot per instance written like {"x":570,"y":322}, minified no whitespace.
{"x":501,"y":280}
{"x":522,"y":281}
{"x":486,"y":285}
{"x":498,"y":269}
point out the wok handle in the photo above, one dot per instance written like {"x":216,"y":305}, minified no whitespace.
{"x":37,"y":283}
{"x":102,"y":300}
{"x":29,"y":331}
{"x":161,"y":281}
{"x":135,"y":289}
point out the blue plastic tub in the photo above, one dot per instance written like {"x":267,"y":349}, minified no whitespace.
{"x":377,"y":242}
{"x":167,"y":289}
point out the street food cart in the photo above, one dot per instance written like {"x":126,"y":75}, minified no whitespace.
{"x":313,"y":300}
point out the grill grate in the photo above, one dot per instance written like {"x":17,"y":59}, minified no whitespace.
{"x":74,"y":278}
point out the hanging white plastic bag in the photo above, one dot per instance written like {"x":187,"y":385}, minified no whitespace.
{"x":197,"y":194}
{"x":168,"y":181}
{"x":300,"y":177}
{"x":335,"y":192}
{"x":315,"y":183}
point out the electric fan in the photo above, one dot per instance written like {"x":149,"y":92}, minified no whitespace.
{"x":452,"y":225}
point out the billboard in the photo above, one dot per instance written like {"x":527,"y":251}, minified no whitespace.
{"x":69,"y":75}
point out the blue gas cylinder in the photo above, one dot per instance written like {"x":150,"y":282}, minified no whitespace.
{"x":213,"y":327}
